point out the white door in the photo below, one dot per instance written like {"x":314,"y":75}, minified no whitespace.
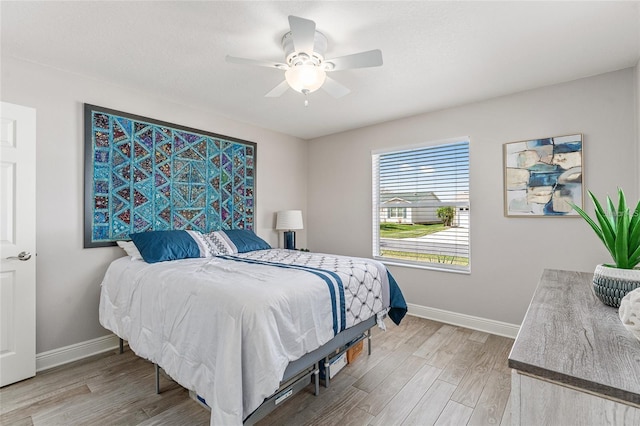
{"x":17,"y":243}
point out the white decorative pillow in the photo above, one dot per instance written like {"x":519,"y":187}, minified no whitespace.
{"x":629,"y":312}
{"x":207,"y":249}
{"x":219,"y":243}
{"x":130,"y":248}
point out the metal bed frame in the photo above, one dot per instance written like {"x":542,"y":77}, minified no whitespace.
{"x":298,"y":373}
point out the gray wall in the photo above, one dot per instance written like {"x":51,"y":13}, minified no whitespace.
{"x":638,"y":117}
{"x":507,"y":254}
{"x":68,"y":276}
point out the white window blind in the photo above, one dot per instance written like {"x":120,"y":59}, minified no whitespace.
{"x":421,"y":205}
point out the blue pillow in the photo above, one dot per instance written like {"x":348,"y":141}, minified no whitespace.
{"x":246,"y":240}
{"x":158,"y":246}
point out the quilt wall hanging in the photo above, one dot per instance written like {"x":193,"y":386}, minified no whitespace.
{"x":543,"y":177}
{"x":143,"y":174}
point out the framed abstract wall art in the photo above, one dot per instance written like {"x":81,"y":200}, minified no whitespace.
{"x":542,"y":176}
{"x":143,"y":174}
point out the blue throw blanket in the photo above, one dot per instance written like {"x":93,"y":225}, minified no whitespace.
{"x":397,"y":304}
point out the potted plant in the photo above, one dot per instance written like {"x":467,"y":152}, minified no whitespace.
{"x":619,"y":230}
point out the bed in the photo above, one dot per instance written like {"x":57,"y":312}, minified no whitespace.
{"x":232,"y":319}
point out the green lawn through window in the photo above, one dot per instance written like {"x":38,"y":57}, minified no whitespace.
{"x":426,"y":257}
{"x":403,"y":230}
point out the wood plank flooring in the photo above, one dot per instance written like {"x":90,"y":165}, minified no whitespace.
{"x":420,"y":373}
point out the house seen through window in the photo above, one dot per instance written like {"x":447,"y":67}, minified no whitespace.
{"x":421,"y":205}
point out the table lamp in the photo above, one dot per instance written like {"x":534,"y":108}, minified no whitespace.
{"x":288,"y":221}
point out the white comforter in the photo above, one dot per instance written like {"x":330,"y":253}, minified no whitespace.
{"x":227,"y":329}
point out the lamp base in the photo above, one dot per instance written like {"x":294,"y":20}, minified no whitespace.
{"x":290,"y":240}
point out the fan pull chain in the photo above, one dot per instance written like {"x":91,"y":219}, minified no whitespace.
{"x":305,"y":92}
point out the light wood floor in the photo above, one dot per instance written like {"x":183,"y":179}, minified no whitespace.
{"x":420,"y":373}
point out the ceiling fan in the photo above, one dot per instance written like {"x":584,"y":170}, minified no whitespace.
{"x":305,"y":68}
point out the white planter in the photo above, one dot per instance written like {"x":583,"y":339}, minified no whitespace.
{"x":612,"y":284}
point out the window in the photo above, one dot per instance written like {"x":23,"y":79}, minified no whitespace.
{"x":396,"y":212}
{"x":421,"y":205}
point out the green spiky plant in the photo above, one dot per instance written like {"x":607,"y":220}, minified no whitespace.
{"x":618,"y":230}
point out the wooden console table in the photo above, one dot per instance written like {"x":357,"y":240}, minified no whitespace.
{"x":573,"y":361}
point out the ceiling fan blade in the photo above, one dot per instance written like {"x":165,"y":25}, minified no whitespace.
{"x":334,"y":88}
{"x":278,"y":90}
{"x":303,"y":32}
{"x":370,"y":58}
{"x":245,"y":61}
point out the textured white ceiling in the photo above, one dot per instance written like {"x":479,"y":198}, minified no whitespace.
{"x":436,"y":54}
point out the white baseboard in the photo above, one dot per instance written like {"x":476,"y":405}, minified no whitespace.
{"x":462,"y":320}
{"x":67,"y":354}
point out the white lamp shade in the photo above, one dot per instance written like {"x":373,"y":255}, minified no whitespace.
{"x":305,"y":77}
{"x":289,"y":220}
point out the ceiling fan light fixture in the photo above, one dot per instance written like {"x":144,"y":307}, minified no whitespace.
{"x":305,"y":65}
{"x":307,"y":78}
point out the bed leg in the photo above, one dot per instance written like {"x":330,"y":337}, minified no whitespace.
{"x":327,"y":373}
{"x":121,"y":346}
{"x":157,"y":379}
{"x":369,"y":341}
{"x":316,"y":382}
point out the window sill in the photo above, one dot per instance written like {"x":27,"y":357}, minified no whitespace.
{"x":394,"y":262}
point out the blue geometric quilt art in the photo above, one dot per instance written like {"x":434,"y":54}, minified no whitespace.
{"x":142,"y":174}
